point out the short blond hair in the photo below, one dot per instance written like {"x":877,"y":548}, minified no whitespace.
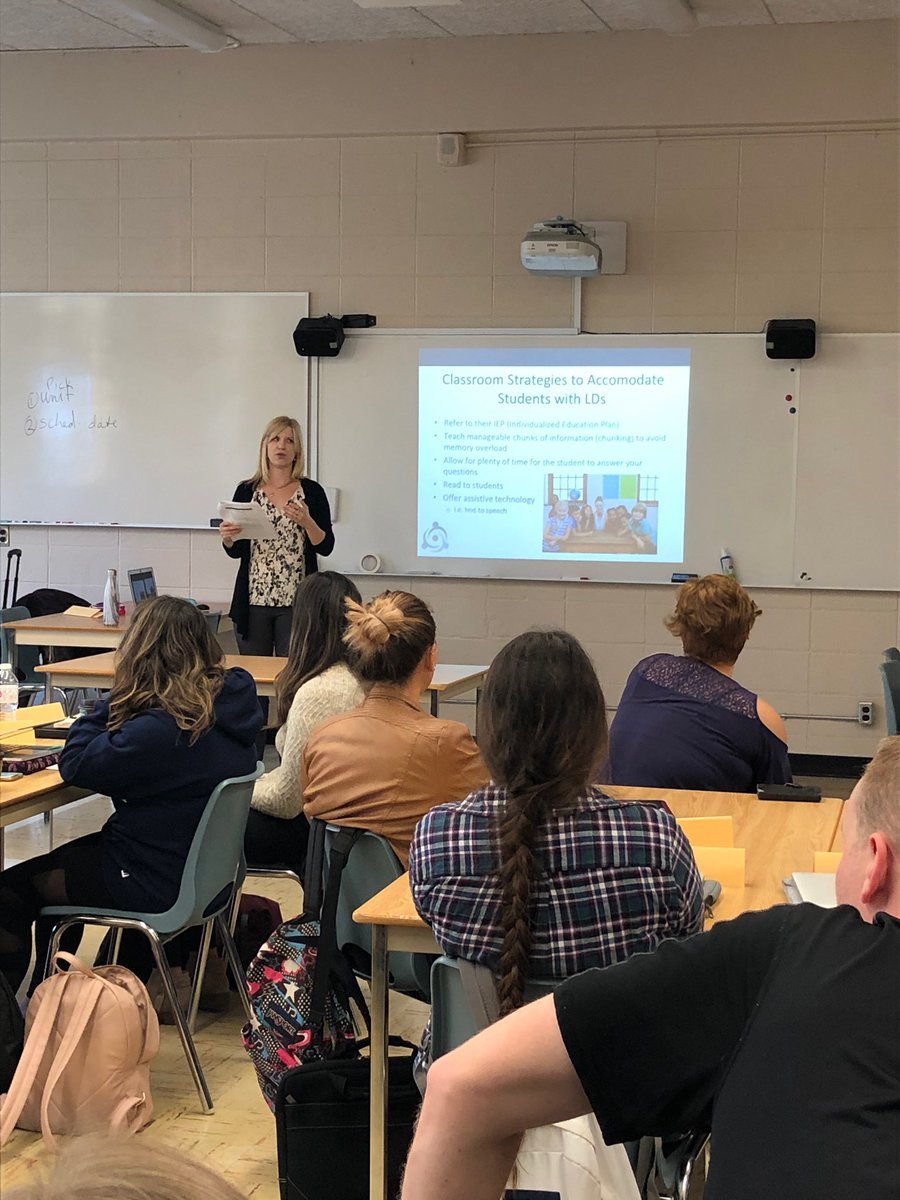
{"x":275,"y":426}
{"x":129,"y":1168}
{"x":878,"y":798}
{"x":713,"y":617}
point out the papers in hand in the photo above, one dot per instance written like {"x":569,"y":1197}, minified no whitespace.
{"x":811,"y":887}
{"x":250,"y":516}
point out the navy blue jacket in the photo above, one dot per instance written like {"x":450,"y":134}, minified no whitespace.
{"x":159,"y":785}
{"x":317,"y":502}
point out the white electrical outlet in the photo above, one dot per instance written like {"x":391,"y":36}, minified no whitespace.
{"x":4,"y":536}
{"x":864,"y":712}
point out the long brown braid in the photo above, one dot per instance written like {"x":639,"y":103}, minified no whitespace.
{"x":542,"y":732}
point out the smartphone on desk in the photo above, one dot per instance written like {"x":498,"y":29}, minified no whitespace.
{"x":10,"y":776}
{"x":806,"y":793}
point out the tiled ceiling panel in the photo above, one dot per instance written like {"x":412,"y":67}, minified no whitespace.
{"x":103,"y":24}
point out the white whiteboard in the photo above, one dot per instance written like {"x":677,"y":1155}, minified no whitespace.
{"x":754,"y":480}
{"x":848,"y":470}
{"x":140,"y":409}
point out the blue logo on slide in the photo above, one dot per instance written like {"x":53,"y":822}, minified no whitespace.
{"x":435,"y":539}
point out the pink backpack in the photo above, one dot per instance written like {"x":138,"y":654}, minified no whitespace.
{"x":89,"y":1037}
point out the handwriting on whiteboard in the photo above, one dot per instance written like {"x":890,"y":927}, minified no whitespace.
{"x":61,"y":403}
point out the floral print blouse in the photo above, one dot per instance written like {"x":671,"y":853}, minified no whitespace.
{"x":276,"y":565}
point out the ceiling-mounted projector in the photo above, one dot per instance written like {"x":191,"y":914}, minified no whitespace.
{"x":560,"y":247}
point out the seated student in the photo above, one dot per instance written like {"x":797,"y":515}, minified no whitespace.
{"x":777,"y":1032}
{"x":682,"y":721}
{"x":175,"y":724}
{"x":385,"y":764}
{"x":585,"y":522}
{"x":539,"y":874}
{"x":560,"y":524}
{"x":641,"y":530}
{"x":616,"y":521}
{"x":316,"y":683}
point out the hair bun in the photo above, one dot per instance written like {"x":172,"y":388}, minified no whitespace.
{"x":372,"y":625}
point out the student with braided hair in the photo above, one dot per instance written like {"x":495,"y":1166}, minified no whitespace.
{"x":384,"y":764}
{"x":539,"y":874}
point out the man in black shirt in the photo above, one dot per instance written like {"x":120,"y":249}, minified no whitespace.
{"x":779,"y":1032}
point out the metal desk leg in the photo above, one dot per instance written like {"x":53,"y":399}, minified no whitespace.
{"x":378,"y":1067}
{"x":434,"y":702}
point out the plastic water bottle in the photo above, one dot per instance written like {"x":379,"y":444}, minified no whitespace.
{"x":9,"y":692}
{"x":111,"y":598}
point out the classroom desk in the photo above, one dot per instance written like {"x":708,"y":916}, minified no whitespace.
{"x":779,"y":837}
{"x":97,"y":670}
{"x":41,"y":792}
{"x":61,"y":629}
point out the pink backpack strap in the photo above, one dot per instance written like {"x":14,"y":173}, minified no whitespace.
{"x":14,"y":1101}
{"x":84,"y":1009}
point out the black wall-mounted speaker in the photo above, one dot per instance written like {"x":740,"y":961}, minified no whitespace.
{"x":791,"y":337}
{"x":319,"y":337}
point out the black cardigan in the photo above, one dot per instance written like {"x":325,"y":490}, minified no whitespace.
{"x":317,"y":502}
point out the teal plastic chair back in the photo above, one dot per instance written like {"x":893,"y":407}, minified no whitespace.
{"x":452,"y":1019}
{"x":891,"y":654}
{"x":214,"y":868}
{"x":23,"y":658}
{"x":372,"y":865}
{"x":890,"y":678}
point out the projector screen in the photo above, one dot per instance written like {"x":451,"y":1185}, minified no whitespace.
{"x":556,"y":453}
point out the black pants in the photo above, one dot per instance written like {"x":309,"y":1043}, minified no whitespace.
{"x":268,"y":632}
{"x":70,"y":874}
{"x":276,"y":841}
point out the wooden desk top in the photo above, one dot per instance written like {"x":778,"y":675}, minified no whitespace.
{"x":65,"y":621}
{"x":779,"y":836}
{"x":18,"y":792}
{"x":103,"y":666}
{"x":459,"y":676}
{"x":64,"y":629}
{"x":263,"y":668}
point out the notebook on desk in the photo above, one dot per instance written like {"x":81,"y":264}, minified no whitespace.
{"x":811,"y":887}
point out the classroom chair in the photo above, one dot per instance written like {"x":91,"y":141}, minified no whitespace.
{"x":371,"y":866}
{"x":457,"y":1015}
{"x":452,"y":1018}
{"x":24,"y":659}
{"x":212,"y":875}
{"x":890,"y":679}
{"x":891,"y":654}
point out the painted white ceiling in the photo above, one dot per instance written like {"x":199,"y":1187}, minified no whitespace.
{"x":101,"y":24}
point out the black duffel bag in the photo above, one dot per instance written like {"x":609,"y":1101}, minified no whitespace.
{"x":322,"y":1124}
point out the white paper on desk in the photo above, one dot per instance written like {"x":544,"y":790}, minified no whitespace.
{"x":812,"y":887}
{"x":250,"y":516}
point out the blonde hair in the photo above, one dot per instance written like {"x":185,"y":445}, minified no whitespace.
{"x":390,"y":635}
{"x":168,"y":659}
{"x":878,"y":799}
{"x":125,"y":1168}
{"x":274,"y":427}
{"x":713,"y":617}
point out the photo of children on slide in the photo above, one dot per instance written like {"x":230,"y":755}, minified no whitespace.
{"x":600,"y":514}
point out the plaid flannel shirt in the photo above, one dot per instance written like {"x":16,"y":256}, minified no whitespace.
{"x":614,"y":879}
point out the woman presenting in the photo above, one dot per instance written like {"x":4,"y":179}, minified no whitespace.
{"x":272,"y":570}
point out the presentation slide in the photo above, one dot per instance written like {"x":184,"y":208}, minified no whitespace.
{"x":533,"y":453}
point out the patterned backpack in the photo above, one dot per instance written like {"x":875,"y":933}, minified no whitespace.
{"x":300,"y":984}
